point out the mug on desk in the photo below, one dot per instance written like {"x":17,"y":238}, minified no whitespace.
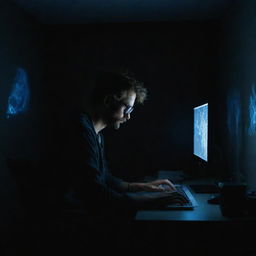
{"x":232,"y":199}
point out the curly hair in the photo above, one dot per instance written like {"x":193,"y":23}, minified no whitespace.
{"x":116,"y":84}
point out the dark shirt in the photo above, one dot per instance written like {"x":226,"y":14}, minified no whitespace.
{"x":92,"y":183}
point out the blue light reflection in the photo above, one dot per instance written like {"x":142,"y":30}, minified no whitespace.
{"x":252,"y":112}
{"x":234,"y":113}
{"x":19,"y":97}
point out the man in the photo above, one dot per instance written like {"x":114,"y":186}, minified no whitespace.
{"x":112,"y":103}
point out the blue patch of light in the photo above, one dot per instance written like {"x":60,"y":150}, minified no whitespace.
{"x":19,"y":97}
{"x":234,"y":113}
{"x":201,"y":131}
{"x":252,"y":112}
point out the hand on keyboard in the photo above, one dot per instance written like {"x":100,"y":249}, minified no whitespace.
{"x":163,"y":198}
{"x":159,"y":185}
{"x":159,"y":199}
{"x":173,"y":197}
{"x":167,"y":188}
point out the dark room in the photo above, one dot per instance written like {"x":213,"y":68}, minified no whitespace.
{"x":128,"y":126}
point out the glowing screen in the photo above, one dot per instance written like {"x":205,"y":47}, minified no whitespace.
{"x":19,"y":97}
{"x":201,"y":131}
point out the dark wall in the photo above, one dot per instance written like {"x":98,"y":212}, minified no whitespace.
{"x":176,"y":62}
{"x":237,"y":83}
{"x":20,"y":135}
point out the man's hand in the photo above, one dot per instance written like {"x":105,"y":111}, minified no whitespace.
{"x":160,"y":185}
{"x":157,"y":199}
{"x":171,"y":197}
{"x":154,"y":186}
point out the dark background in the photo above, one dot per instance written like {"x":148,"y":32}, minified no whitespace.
{"x":182,"y":63}
{"x":177,"y":63}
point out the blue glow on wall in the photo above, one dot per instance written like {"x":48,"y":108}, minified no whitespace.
{"x":19,"y":98}
{"x":201,"y":131}
{"x":234,"y":114}
{"x":252,"y":112}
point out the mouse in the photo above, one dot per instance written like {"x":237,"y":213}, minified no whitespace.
{"x":214,"y":200}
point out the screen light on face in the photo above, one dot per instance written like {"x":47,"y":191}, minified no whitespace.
{"x":201,"y":131}
{"x":19,"y":97}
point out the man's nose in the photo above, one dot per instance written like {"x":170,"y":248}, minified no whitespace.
{"x":128,"y":116}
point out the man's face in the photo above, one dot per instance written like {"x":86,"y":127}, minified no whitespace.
{"x":120,"y":116}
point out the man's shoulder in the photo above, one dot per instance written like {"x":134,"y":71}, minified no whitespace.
{"x":85,"y":119}
{"x":86,"y":126}
{"x":80,"y":122}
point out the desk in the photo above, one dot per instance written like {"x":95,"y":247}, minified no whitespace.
{"x":203,"y":212}
{"x":203,"y":230}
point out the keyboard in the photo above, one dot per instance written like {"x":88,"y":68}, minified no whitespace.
{"x":182,"y":189}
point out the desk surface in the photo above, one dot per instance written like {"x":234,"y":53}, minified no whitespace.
{"x":204,"y":212}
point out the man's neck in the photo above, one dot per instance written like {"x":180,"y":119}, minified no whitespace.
{"x":98,"y":124}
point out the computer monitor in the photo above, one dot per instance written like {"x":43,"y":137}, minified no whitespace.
{"x":202,"y":164}
{"x":201,"y":132}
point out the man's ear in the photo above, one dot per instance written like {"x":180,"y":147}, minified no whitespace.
{"x":108,"y":101}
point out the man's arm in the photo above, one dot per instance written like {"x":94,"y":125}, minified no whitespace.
{"x":157,"y":185}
